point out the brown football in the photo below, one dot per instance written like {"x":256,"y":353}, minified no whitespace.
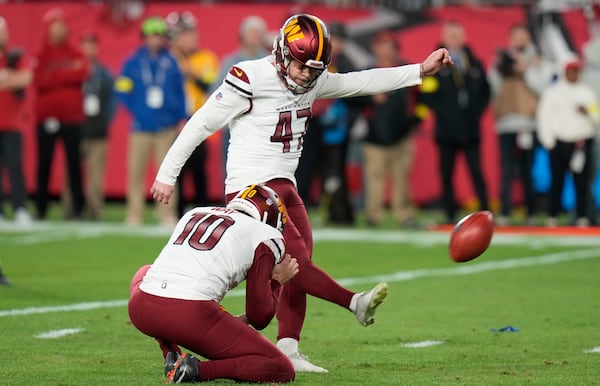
{"x":471,"y":236}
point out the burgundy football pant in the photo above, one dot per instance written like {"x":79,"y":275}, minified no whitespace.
{"x":236,"y":351}
{"x":310,"y":279}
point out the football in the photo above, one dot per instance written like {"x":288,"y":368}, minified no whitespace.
{"x":471,"y":236}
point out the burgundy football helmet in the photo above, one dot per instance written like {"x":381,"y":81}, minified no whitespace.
{"x":305,"y":39}
{"x":261,"y":203}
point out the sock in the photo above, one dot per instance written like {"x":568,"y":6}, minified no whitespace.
{"x":353,"y":302}
{"x":287,"y":345}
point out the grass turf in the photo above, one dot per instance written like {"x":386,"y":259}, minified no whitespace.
{"x":555,"y":306}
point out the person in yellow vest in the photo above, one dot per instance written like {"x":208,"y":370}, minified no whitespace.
{"x":200,"y":68}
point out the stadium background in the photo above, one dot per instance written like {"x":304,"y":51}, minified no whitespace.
{"x":486,"y":29}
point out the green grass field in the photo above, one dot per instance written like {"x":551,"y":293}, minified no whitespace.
{"x":548,"y":287}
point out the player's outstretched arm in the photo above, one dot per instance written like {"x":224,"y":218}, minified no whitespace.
{"x":161,"y":192}
{"x":435,"y":61}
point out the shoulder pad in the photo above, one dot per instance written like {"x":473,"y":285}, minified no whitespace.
{"x":238,"y":79}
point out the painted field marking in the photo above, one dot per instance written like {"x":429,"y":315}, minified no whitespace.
{"x":54,"y":334}
{"x":594,"y":350}
{"x":425,"y":343}
{"x":65,"y":308}
{"x":457,"y":270}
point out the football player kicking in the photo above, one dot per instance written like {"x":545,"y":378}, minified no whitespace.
{"x":213,"y":249}
{"x":267,"y":105}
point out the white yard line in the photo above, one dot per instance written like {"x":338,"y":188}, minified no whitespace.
{"x":53,"y":334}
{"x":456,"y":270}
{"x":594,"y":350}
{"x":425,"y":343}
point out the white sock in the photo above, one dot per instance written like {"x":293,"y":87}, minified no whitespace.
{"x":353,"y":302}
{"x":287,"y":345}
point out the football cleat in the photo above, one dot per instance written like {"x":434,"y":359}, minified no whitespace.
{"x":170,"y":361}
{"x":185,"y":370}
{"x":301,"y":364}
{"x":367,"y":303}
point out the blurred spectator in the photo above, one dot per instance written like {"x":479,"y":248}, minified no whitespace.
{"x":326,"y":142}
{"x":591,"y":76}
{"x":567,"y":119}
{"x":60,"y":71}
{"x":252,"y":36}
{"x":517,"y":77}
{"x":591,"y":71}
{"x":200,"y":68}
{"x":336,"y":137}
{"x":14,"y":78}
{"x":458,"y":95}
{"x":99,"y":108}
{"x":151,"y":88}
{"x":388,"y":146}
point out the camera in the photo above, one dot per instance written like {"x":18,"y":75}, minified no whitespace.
{"x":506,"y":63}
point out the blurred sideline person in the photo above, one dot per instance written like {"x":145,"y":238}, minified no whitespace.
{"x":60,"y":70}
{"x":211,"y":251}
{"x":15,"y":77}
{"x":568,"y":118}
{"x":200,"y":68}
{"x":326,"y":143}
{"x":458,"y":96}
{"x":99,"y":105}
{"x":517,"y":77}
{"x":252,"y":34}
{"x":388,"y":146}
{"x":151,"y":88}
{"x":267,"y":103}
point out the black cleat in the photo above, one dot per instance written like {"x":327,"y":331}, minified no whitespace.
{"x":170,"y":361}
{"x":185,"y":370}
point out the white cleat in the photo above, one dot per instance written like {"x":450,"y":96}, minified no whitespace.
{"x":22,"y":218}
{"x":301,"y":364}
{"x":368,"y":301}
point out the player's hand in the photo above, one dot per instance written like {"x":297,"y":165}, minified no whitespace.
{"x":435,"y":61}
{"x":285,"y":270}
{"x":161,"y":192}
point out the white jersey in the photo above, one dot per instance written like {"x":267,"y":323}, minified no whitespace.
{"x":268,"y":122}
{"x":209,"y":253}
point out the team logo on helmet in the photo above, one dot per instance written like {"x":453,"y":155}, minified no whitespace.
{"x":261,"y":203}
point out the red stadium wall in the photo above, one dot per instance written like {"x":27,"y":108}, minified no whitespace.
{"x":486,"y":28}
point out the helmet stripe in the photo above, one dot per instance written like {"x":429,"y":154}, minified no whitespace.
{"x":247,"y":191}
{"x":320,"y":33}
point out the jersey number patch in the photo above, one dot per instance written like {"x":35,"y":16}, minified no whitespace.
{"x":283,"y":131}
{"x":204,"y":230}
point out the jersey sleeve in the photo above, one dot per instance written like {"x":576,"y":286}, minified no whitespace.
{"x":238,"y":79}
{"x":262,"y":292}
{"x":369,"y":82}
{"x":220,"y":108}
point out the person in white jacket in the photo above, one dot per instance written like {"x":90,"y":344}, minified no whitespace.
{"x":567,"y":120}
